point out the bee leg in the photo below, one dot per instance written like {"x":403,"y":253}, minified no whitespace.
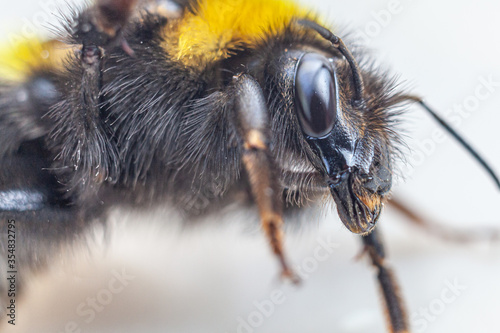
{"x":396,"y":313}
{"x":436,"y":229}
{"x":102,"y":24}
{"x":87,"y":155}
{"x":81,"y":132}
{"x":252,"y":124}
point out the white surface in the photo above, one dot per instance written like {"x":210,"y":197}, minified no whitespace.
{"x":203,"y":280}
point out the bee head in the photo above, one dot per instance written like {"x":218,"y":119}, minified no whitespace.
{"x":348,"y":138}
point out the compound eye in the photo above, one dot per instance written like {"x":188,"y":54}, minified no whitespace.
{"x":315,"y":95}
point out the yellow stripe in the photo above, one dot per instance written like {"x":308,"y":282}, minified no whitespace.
{"x":218,"y":27}
{"x":20,"y":60}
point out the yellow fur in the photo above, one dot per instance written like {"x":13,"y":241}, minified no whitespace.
{"x":218,"y":27}
{"x":215,"y":30}
{"x":31,"y":54}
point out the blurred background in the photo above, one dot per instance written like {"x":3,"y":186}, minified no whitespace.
{"x":155,"y":276}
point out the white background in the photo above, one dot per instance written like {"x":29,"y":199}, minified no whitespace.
{"x":203,"y":279}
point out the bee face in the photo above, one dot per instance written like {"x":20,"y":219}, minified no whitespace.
{"x":348,"y":144}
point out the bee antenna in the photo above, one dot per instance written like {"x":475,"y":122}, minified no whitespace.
{"x":337,"y":43}
{"x":450,"y":130}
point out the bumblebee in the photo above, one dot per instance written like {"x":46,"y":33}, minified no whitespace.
{"x":193,"y":103}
